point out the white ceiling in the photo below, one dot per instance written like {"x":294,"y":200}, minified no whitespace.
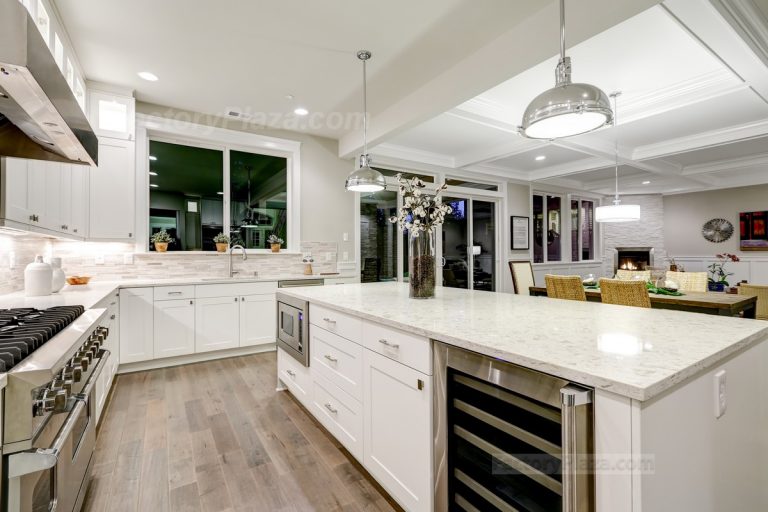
{"x":243,"y":55}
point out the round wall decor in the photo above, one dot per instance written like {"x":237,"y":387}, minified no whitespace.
{"x":717,"y":230}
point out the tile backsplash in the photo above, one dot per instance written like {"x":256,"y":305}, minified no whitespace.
{"x":116,"y":262}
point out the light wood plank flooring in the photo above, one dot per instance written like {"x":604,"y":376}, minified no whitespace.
{"x":216,"y":436}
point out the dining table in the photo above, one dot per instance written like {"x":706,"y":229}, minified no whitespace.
{"x":711,"y":303}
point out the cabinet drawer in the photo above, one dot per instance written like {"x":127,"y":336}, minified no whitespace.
{"x":234,"y":289}
{"x":339,"y":360}
{"x":346,"y":326}
{"x":410,"y":350}
{"x":174,"y":292}
{"x":295,"y":376}
{"x":339,"y":413}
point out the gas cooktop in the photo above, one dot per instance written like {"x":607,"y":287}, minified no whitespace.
{"x":24,"y":330}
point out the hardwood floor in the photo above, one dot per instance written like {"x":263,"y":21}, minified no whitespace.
{"x":216,"y":436}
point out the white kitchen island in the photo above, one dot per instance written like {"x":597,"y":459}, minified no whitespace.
{"x":659,"y":443}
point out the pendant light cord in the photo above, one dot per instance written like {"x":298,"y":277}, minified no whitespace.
{"x":615,"y":95}
{"x":562,"y":29}
{"x":365,"y":111}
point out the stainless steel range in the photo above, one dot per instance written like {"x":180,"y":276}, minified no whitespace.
{"x":53,"y":358}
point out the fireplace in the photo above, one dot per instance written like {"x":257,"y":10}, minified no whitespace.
{"x":633,"y":258}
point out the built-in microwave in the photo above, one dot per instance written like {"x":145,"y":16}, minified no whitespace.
{"x":293,"y":327}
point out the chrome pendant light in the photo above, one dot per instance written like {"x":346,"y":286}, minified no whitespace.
{"x":365,"y":178}
{"x":567,"y":109}
{"x":617,"y":212}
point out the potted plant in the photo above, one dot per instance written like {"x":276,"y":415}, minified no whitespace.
{"x":222,"y":242}
{"x":718,"y":277}
{"x":161,"y":239}
{"x":275,"y":242}
{"x":421,"y":215}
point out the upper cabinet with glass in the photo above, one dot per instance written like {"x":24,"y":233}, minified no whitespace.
{"x":112,"y":113}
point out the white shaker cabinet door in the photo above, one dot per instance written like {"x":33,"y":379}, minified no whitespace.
{"x":111,"y":192}
{"x":174,"y":328}
{"x":16,"y":202}
{"x":136,"y":325}
{"x":258,"y":319}
{"x":217,"y":323}
{"x":397,"y":429}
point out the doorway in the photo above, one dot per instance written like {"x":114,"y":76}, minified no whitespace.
{"x":469,"y":239}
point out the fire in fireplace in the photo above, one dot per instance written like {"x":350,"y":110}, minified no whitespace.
{"x":633,"y":258}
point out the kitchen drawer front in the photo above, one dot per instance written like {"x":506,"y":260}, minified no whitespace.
{"x":338,"y":360}
{"x":339,"y":413}
{"x":346,"y":326}
{"x":234,"y":289}
{"x":295,"y":376}
{"x":410,"y":350}
{"x":174,"y":292}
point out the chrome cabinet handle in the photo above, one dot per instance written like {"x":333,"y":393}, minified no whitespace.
{"x":329,"y":320}
{"x":236,"y":299}
{"x":388,"y":344}
{"x":571,"y":397}
{"x":330,"y":408}
{"x":331,"y":358}
{"x":112,"y":317}
{"x":291,"y":373}
{"x":174,"y":293}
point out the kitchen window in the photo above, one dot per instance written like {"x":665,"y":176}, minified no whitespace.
{"x":547,"y":228}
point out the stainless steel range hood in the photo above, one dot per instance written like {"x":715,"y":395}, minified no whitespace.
{"x":40,"y":118}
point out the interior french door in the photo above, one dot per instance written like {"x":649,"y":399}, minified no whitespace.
{"x":468,"y":242}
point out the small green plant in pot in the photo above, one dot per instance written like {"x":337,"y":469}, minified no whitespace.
{"x":275,"y":242}
{"x":718,"y":276}
{"x":161,"y":239}
{"x":222,"y":242}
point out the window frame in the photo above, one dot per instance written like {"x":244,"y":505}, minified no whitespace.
{"x":579,"y":233}
{"x":175,"y":131}
{"x":566,"y":247}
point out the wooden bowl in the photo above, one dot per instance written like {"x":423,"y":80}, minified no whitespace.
{"x":78,"y":280}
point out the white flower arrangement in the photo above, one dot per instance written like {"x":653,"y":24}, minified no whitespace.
{"x":420,"y":212}
{"x":274,"y":239}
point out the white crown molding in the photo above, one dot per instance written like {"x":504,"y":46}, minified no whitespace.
{"x":748,"y":21}
{"x":700,"y":140}
{"x":571,"y":168}
{"x":413,"y":155}
{"x":731,"y":164}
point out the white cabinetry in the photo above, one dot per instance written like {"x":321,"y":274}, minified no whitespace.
{"x":398,"y":430}
{"x":112,"y":114}
{"x":258,"y":319}
{"x":217,"y":323}
{"x":136,"y":325}
{"x":174,"y":328}
{"x":112,"y":192}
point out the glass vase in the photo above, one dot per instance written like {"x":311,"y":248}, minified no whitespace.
{"x":421,"y":265}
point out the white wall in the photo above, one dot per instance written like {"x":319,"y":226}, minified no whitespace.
{"x":685,"y":214}
{"x":519,"y":205}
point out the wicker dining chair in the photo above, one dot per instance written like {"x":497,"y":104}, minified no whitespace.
{"x":624,"y":293}
{"x":522,"y":276}
{"x":759,"y":291}
{"x":630,"y":275}
{"x":565,"y":287}
{"x":689,"y":281}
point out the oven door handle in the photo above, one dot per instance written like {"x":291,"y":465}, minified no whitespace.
{"x":85,"y":393}
{"x":40,"y":459}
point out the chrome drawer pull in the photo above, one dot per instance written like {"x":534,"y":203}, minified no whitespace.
{"x":330,"y":408}
{"x":388,"y":344}
{"x":329,"y":320}
{"x":174,"y":293}
{"x":331,"y":358}
{"x":291,"y":373}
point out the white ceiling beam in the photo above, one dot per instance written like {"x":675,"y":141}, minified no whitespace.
{"x":411,"y":154}
{"x":729,"y":165}
{"x":513,"y":146}
{"x":528,"y":42}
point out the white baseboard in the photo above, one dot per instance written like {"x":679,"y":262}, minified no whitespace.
{"x":194,"y":358}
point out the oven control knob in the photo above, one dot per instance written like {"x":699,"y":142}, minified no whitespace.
{"x":85,"y":357}
{"x":77,"y":372}
{"x":60,"y":384}
{"x":95,"y":340}
{"x":45,"y":403}
{"x":94,"y":348}
{"x":60,"y":400}
{"x":104,"y":331}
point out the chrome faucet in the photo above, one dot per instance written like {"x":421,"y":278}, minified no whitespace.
{"x":232,"y":272}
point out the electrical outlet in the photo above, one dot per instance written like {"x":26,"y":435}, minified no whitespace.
{"x":721,"y":402}
{"x":99,"y":259}
{"x":128,"y":258}
{"x":346,"y":237}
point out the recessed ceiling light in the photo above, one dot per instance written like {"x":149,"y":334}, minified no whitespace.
{"x":541,"y":157}
{"x":301,"y":111}
{"x":289,"y":96}
{"x":646,"y":183}
{"x":220,"y":193}
{"x":152,"y":173}
{"x":153,"y":185}
{"x":149,"y":77}
{"x":152,"y":157}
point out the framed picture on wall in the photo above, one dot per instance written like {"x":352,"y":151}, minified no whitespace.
{"x":519,"y":233}
{"x":752,"y":229}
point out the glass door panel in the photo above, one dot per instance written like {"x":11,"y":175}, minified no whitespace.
{"x":378,"y":236}
{"x":456,"y":264}
{"x":483,"y":245}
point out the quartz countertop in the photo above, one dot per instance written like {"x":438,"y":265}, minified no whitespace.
{"x":634,"y":352}
{"x":91,"y":294}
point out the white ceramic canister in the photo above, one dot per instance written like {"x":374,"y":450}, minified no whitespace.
{"x":38,"y":277}
{"x":58,"y":280}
